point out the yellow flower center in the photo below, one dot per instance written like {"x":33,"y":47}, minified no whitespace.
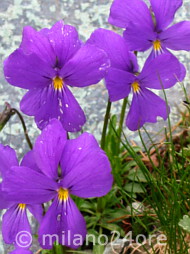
{"x":22,"y":206}
{"x":157,"y":45}
{"x":58,"y":83}
{"x":63,"y":194}
{"x":136,"y":87}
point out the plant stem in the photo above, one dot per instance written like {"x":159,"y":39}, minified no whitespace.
{"x":58,"y":249}
{"x":63,"y":250}
{"x":24,"y":127}
{"x":54,"y":250}
{"x":5,"y":115}
{"x":122,"y":116}
{"x":106,"y":120}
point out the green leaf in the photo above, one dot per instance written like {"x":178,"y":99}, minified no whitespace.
{"x":134,"y":187}
{"x":86,"y":205}
{"x":117,"y":213}
{"x":92,"y":236}
{"x":137,"y":176}
{"x":129,"y":166}
{"x":91,"y":221}
{"x":185,"y":223}
{"x":98,"y":249}
{"x":101,"y":204}
{"x":113,"y":227}
{"x":46,"y":252}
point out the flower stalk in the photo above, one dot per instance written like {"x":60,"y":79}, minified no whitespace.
{"x":122,"y":116}
{"x":24,"y":127}
{"x":106,"y":121}
{"x":5,"y":115}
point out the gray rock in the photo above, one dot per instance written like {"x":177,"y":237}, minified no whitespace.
{"x":135,"y":208}
{"x":116,"y":246}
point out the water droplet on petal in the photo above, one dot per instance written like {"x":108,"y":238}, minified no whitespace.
{"x":58,"y":217}
{"x":60,"y":102}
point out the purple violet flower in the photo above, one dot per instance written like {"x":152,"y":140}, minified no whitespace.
{"x":46,"y":63}
{"x":144,"y":31}
{"x":116,"y":48}
{"x":159,"y":73}
{"x":15,"y":219}
{"x":67,"y":167}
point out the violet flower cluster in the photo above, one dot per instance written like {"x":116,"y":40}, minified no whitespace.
{"x":54,"y":170}
{"x":123,"y":76}
{"x":49,"y":61}
{"x":46,"y":64}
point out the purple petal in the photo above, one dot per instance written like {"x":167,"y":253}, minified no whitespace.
{"x":183,"y":72}
{"x":86,"y":168}
{"x":87,"y":67}
{"x":118,"y":83}
{"x":38,"y":43}
{"x":25,"y":185}
{"x":72,"y":117}
{"x":8,"y":159}
{"x":118,"y":54}
{"x":155,"y":54}
{"x":4,"y":204}
{"x":134,"y":67}
{"x":43,"y":104}
{"x":139,"y":38}
{"x":29,"y":161}
{"x":21,"y":251}
{"x":65,"y":41}
{"x":177,"y":37}
{"x":37,"y":211}
{"x":136,"y":11}
{"x":64,"y":221}
{"x":14,"y":221}
{"x":164,"y":11}
{"x":146,"y":107}
{"x":48,"y":148}
{"x":33,"y":100}
{"x":47,"y":103}
{"x":157,"y":75}
{"x":27,"y":71}
{"x":72,"y":151}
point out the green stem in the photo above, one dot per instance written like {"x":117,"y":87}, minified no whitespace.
{"x":54,"y":250}
{"x":122,"y":116}
{"x":64,"y":250}
{"x":59,"y":249}
{"x":106,"y":120}
{"x":24,"y":127}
